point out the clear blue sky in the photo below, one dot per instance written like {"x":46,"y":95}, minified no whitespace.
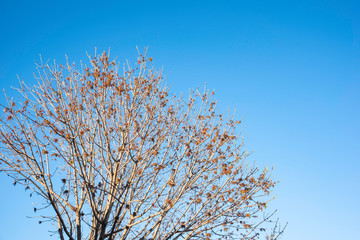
{"x":290,"y":68}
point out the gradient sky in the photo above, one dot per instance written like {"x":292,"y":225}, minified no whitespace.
{"x":290,"y":68}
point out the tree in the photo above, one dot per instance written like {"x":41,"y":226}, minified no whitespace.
{"x":116,"y":156}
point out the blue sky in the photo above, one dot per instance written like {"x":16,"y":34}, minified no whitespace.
{"x":290,"y":68}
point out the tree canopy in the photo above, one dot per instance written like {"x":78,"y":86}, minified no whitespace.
{"x":115,"y":155}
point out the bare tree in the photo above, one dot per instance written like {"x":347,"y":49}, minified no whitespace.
{"x":116,"y":156}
